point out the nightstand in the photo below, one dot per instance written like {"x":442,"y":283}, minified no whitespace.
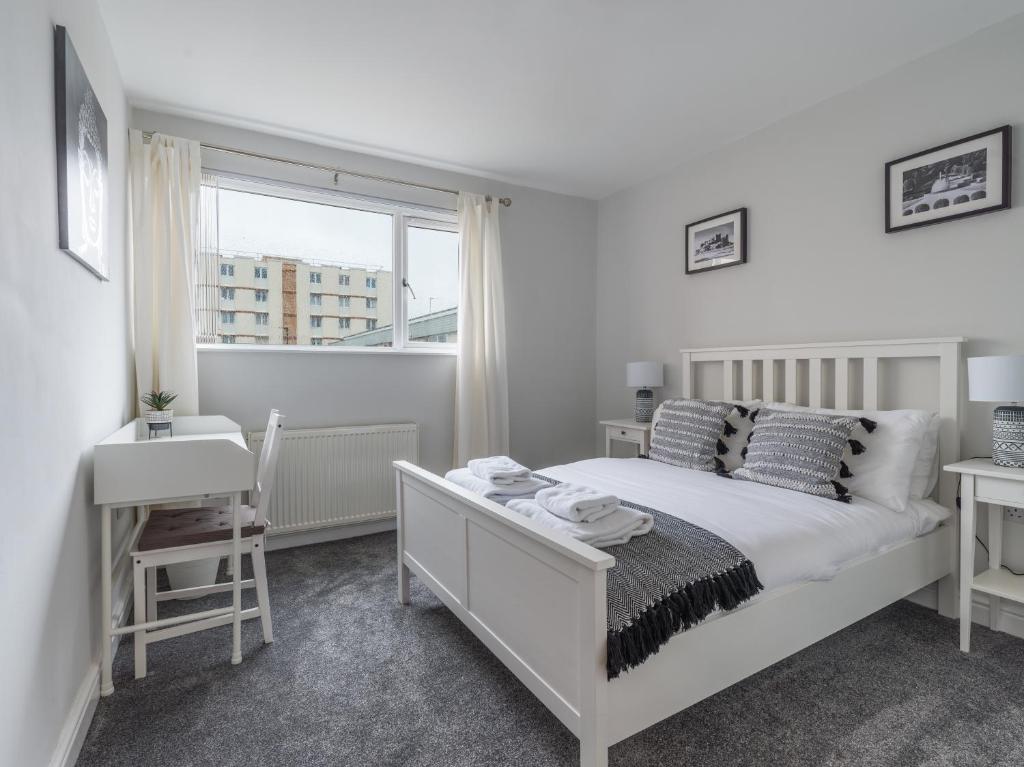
{"x":627,"y":430}
{"x":981,"y":481}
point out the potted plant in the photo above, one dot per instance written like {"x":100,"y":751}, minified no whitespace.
{"x":160,"y":415}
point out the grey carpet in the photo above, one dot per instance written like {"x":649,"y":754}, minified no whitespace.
{"x":355,"y":679}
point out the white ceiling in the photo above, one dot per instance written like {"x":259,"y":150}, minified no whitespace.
{"x":578,"y":96}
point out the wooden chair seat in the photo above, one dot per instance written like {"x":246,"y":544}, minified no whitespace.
{"x":170,"y":528}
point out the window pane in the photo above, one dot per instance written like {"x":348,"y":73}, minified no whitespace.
{"x":434,"y":279}
{"x":282,"y":247}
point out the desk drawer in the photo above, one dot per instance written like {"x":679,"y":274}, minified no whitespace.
{"x":626,"y":434}
{"x":1006,"y":492}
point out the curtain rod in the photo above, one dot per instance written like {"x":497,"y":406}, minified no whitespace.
{"x":506,"y":201}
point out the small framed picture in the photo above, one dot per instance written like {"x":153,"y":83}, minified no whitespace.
{"x":717,"y":242}
{"x":962,"y":178}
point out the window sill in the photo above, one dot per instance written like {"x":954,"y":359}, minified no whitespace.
{"x":414,"y":351}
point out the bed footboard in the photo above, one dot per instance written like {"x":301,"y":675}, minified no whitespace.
{"x":535,"y":598}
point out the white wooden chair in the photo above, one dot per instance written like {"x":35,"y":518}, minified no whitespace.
{"x":185,"y":535}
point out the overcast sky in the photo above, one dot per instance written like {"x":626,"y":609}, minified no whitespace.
{"x":266,"y":225}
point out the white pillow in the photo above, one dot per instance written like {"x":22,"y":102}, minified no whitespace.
{"x":926,"y":468}
{"x":736,"y":441}
{"x":883,"y":472}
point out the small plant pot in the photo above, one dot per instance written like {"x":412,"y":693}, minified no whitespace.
{"x":158,"y":421}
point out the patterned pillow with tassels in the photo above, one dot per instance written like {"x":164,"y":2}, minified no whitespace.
{"x":800,"y":451}
{"x":689,"y":432}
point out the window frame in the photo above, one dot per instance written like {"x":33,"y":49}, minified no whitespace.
{"x":402,"y":215}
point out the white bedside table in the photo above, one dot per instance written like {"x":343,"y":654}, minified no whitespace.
{"x":627,"y":430}
{"x":981,"y":481}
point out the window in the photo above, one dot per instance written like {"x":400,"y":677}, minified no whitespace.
{"x":316,"y":341}
{"x":227,"y":339}
{"x":227,"y":294}
{"x":262,"y":339}
{"x":258,"y":224}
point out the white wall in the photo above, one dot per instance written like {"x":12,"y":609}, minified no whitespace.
{"x":548,"y":244}
{"x":820,"y":265}
{"x":64,"y":382}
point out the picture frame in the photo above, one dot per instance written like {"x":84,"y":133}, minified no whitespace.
{"x":82,"y":180}
{"x":716,"y":242}
{"x":966,"y":177}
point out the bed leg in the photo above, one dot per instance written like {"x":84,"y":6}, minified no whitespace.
{"x":403,"y":582}
{"x":593,"y":753}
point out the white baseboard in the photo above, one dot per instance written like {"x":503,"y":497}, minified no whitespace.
{"x":1011,"y":614}
{"x":324,"y":534}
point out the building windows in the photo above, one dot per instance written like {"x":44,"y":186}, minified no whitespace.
{"x":389,"y":244}
{"x":262,"y":340}
{"x":316,"y":341}
{"x":227,"y":339}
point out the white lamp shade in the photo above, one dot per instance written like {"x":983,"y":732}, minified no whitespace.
{"x":995,"y":379}
{"x":644,"y":375}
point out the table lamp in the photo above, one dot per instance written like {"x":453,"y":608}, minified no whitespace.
{"x":644,"y":376}
{"x":1001,"y":379}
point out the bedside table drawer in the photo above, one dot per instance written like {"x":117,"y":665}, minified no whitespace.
{"x":1006,"y":492}
{"x":626,"y":434}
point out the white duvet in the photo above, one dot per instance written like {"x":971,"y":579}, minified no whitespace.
{"x":790,"y":537}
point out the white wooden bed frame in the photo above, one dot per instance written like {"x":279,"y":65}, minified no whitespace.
{"x":537,"y":598}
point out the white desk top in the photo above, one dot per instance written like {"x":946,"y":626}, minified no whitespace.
{"x":626,"y":423}
{"x":983,"y":467}
{"x":206,"y":456}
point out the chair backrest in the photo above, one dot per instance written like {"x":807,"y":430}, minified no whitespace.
{"x":265,"y":469}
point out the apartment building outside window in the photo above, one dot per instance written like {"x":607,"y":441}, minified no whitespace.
{"x":227,"y":339}
{"x":399,"y":262}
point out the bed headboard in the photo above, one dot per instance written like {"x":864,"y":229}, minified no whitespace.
{"x":764,"y":371}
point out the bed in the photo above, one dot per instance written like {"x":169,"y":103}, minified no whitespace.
{"x":517,"y":585}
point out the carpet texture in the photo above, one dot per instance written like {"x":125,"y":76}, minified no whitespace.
{"x":355,"y":679}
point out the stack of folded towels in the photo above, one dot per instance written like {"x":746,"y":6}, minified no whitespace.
{"x":498,"y":478}
{"x":586,"y":514}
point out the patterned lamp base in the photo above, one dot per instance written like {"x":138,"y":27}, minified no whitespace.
{"x":1007,"y":436}
{"x":644,"y":411}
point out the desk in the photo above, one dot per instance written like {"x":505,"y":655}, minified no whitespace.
{"x":207,"y":458}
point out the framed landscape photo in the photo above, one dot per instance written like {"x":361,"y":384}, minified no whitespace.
{"x":962,"y":178}
{"x":81,"y":160}
{"x":716,"y":242}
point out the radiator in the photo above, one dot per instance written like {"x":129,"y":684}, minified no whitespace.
{"x":336,"y":476}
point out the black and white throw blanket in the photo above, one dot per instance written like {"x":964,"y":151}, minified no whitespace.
{"x":667,"y":581}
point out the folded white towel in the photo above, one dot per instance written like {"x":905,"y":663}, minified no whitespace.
{"x":499,"y":469}
{"x":610,"y":530}
{"x":577,"y":503}
{"x":497,"y":493}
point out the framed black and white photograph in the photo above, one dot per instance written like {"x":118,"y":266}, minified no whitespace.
{"x":962,"y":178}
{"x":716,"y":242}
{"x":82,"y":194}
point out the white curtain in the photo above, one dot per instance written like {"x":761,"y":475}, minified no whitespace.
{"x":165,"y":178}
{"x":481,"y":387}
